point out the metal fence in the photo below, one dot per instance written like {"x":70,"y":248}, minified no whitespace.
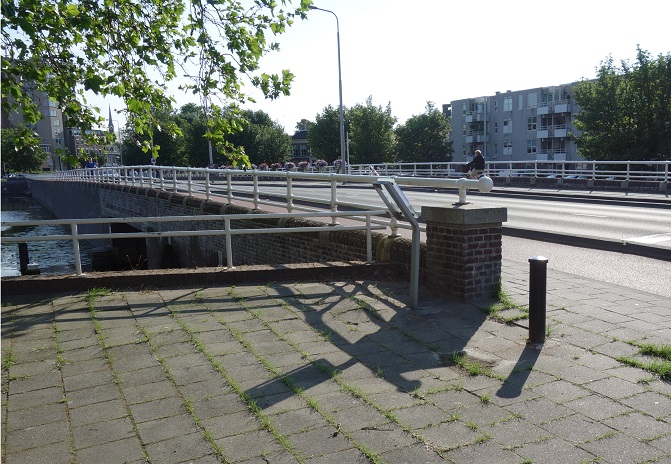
{"x":651,"y":171}
{"x":76,"y":237}
{"x":274,"y":188}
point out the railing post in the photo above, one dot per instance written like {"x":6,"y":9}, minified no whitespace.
{"x":161,"y":173}
{"x":207,"y":185}
{"x":628,"y":170}
{"x":189,"y":180}
{"x":75,"y":249}
{"x":537,"y":299}
{"x":369,"y":240}
{"x":290,"y":195}
{"x":174,"y":179}
{"x":229,"y":246}
{"x":229,"y":187}
{"x":150,"y":175}
{"x":255,"y":192}
{"x":334,"y":199}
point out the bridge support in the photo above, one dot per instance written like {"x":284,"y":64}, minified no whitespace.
{"x":463,"y":250}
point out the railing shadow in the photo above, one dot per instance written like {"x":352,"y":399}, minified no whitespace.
{"x":392,"y":350}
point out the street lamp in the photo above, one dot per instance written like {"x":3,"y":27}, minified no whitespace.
{"x":342,"y":118}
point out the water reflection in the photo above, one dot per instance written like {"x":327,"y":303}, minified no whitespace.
{"x":52,"y":257}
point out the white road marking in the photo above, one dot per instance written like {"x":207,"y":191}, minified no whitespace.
{"x":591,"y":215}
{"x":658,"y":238}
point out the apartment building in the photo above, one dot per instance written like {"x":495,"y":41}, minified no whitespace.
{"x":524,"y":125}
{"x":49,"y":129}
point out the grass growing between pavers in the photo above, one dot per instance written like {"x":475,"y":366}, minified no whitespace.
{"x":472,"y":366}
{"x":379,"y":372}
{"x":653,"y":358}
{"x":314,"y":404}
{"x":251,"y":404}
{"x":504,"y":309}
{"x":90,"y":298}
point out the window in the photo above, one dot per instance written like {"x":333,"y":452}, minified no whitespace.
{"x":496,"y":149}
{"x":53,"y":103}
{"x":496,"y":127}
{"x":52,"y":113}
{"x":57,"y":122}
{"x":531,"y":147}
{"x":464,"y":109}
{"x":520,"y":101}
{"x":508,"y":147}
{"x":496,"y":105}
{"x":507,"y":103}
{"x":531,"y":123}
{"x":532,"y":100}
{"x":507,"y":126}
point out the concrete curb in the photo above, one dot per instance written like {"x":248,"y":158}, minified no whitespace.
{"x":169,"y":278}
{"x":617,"y":246}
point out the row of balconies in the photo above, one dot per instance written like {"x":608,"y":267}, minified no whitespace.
{"x":558,"y":106}
{"x":545,"y":132}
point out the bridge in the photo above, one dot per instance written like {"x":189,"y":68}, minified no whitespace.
{"x":461,"y":256}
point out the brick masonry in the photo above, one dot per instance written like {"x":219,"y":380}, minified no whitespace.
{"x":463,"y":250}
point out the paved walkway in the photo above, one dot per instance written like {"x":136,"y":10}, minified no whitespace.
{"x":332,"y":372}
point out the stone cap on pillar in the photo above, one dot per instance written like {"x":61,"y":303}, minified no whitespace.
{"x":468,"y":214}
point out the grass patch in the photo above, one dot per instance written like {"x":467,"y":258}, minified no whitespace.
{"x":473,"y":367}
{"x":96,"y":292}
{"x":504,"y":309}
{"x":656,"y":359}
{"x":8,"y":359}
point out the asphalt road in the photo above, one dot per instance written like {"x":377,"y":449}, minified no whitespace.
{"x":562,"y":216}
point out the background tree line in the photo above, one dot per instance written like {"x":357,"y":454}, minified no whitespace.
{"x":259,"y":138}
{"x":625,"y":113}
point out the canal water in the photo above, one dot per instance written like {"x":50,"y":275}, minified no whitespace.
{"x":53,"y":257}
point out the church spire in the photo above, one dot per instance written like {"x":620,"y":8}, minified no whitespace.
{"x":111,"y":123}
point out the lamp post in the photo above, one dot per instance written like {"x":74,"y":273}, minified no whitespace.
{"x":343,"y":170}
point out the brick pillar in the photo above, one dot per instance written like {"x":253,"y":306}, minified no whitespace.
{"x":463,"y":250}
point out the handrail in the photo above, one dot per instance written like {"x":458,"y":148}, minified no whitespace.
{"x":205,"y":181}
{"x":657,"y":171}
{"x":76,"y":237}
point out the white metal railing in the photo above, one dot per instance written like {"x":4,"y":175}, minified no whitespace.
{"x":652,"y":171}
{"x":261,"y":187}
{"x":76,"y":237}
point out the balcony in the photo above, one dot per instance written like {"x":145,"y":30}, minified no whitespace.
{"x":555,"y":131}
{"x":475,"y":137}
{"x":562,"y":106}
{"x":557,"y":106}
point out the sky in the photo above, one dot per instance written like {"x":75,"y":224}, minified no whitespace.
{"x":409,"y":53}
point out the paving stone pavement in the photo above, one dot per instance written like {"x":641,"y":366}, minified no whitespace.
{"x":333,"y":372}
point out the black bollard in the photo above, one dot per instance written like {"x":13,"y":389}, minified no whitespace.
{"x":24,"y":259}
{"x":537,"y":295}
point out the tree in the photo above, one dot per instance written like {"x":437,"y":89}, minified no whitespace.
{"x":173,"y":150}
{"x":135,"y":50}
{"x":263,"y":139}
{"x":195,"y":150}
{"x":625,"y":113}
{"x":324,"y":133}
{"x":371,"y":133}
{"x":21,"y":150}
{"x":425,"y":137}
